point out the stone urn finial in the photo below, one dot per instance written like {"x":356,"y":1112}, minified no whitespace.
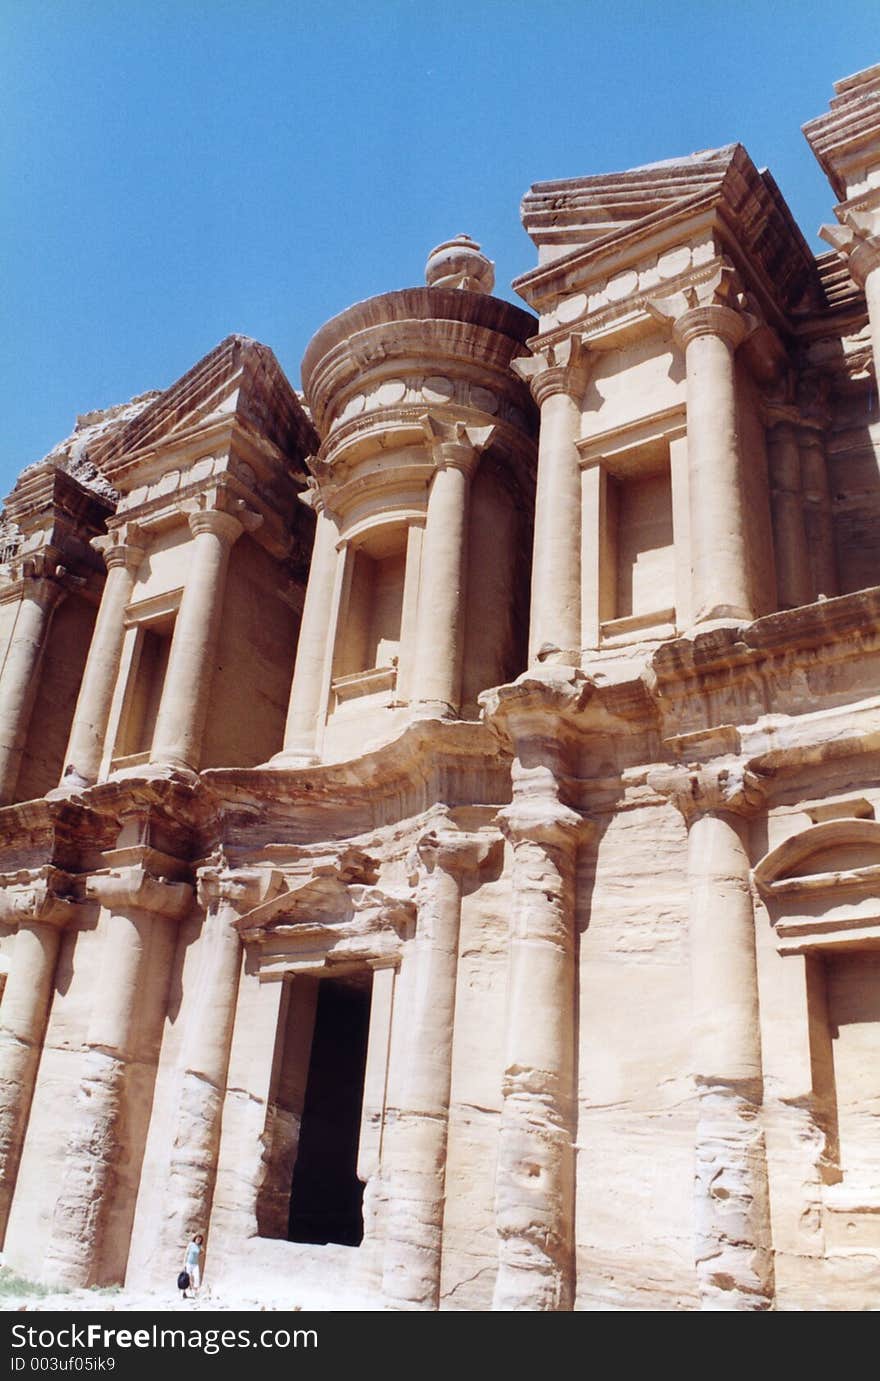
{"x":459,"y":263}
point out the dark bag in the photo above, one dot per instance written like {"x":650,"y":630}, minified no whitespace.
{"x":183,"y":1281}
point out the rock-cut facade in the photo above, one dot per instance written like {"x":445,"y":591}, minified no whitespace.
{"x":440,"y":829}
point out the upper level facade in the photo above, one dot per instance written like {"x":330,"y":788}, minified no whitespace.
{"x":682,"y":439}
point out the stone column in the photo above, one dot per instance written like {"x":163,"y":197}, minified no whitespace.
{"x":41,"y":910}
{"x":733,"y":1248}
{"x":123,"y":552}
{"x":793,"y":576}
{"x":818,"y":518}
{"x":534,"y":1201}
{"x":40,"y":594}
{"x":306,"y":694}
{"x":139,"y":919}
{"x":413,"y":1247}
{"x":557,"y":377}
{"x":183,"y":709}
{"x":719,"y":550}
{"x":436,"y":677}
{"x":205,"y":1054}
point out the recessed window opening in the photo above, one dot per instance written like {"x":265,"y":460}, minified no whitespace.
{"x":326,"y":1201}
{"x":369,"y":636}
{"x":645,"y":563}
{"x":145,"y":688}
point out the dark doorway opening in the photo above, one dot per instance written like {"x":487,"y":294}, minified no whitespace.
{"x":327,"y":1196}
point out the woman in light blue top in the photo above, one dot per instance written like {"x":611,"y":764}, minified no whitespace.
{"x":192,"y":1262}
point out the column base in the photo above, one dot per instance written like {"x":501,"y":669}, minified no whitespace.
{"x":432,"y":709}
{"x":292,"y":757}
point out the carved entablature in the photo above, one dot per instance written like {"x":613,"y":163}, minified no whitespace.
{"x":822,"y":887}
{"x":323,"y":924}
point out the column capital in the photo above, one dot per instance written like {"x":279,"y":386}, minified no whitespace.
{"x":313,"y":496}
{"x":455,"y":445}
{"x":44,"y":896}
{"x":453,"y":850}
{"x":242,"y":889}
{"x":123,"y":546}
{"x":561,"y":367}
{"x":857,"y":237}
{"x":776,"y":414}
{"x":730,"y":788}
{"x":221,"y":513}
{"x":543,"y":820}
{"x":711,"y":306}
{"x":135,"y":887}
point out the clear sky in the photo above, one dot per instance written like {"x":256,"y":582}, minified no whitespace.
{"x":174,"y":171}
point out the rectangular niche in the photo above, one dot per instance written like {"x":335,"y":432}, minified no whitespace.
{"x":853,"y":995}
{"x":144,"y":686}
{"x":645,"y":552}
{"x":632,"y":516}
{"x":367,"y":645}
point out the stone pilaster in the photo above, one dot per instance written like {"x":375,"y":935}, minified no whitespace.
{"x":306,"y":693}
{"x":818,"y":515}
{"x":733,"y":1247}
{"x":557,"y":376}
{"x":793,"y":576}
{"x":38,"y":594}
{"x":413,"y":1248}
{"x":708,"y":326}
{"x":123,"y":552}
{"x":40,"y":907}
{"x":436,"y":677}
{"x":138,"y":923}
{"x":180,"y":723}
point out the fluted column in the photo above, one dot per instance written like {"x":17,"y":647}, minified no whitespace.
{"x":733,"y":1247}
{"x":306,"y":693}
{"x":413,"y":1248}
{"x":123,"y":552}
{"x":793,"y":576}
{"x":183,"y":709}
{"x":205,"y":1053}
{"x":534,"y":1199}
{"x":436,"y":677}
{"x":40,"y":910}
{"x":40,"y":594}
{"x":557,"y":377}
{"x":139,"y":919}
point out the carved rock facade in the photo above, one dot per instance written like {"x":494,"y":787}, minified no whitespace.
{"x":439,"y":844}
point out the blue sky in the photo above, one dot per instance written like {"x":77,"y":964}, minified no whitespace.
{"x":173,"y":172}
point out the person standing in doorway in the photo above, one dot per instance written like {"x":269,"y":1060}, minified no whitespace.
{"x":192,"y":1264}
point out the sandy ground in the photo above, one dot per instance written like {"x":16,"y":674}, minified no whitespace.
{"x":285,"y":1299}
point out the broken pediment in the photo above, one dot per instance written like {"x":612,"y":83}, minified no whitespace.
{"x":713,"y":202}
{"x":239,"y":380}
{"x":326,"y":921}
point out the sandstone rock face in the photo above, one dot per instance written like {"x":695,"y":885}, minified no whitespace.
{"x":439,"y":844}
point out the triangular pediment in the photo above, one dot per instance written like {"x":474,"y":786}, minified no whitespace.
{"x":240,"y":380}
